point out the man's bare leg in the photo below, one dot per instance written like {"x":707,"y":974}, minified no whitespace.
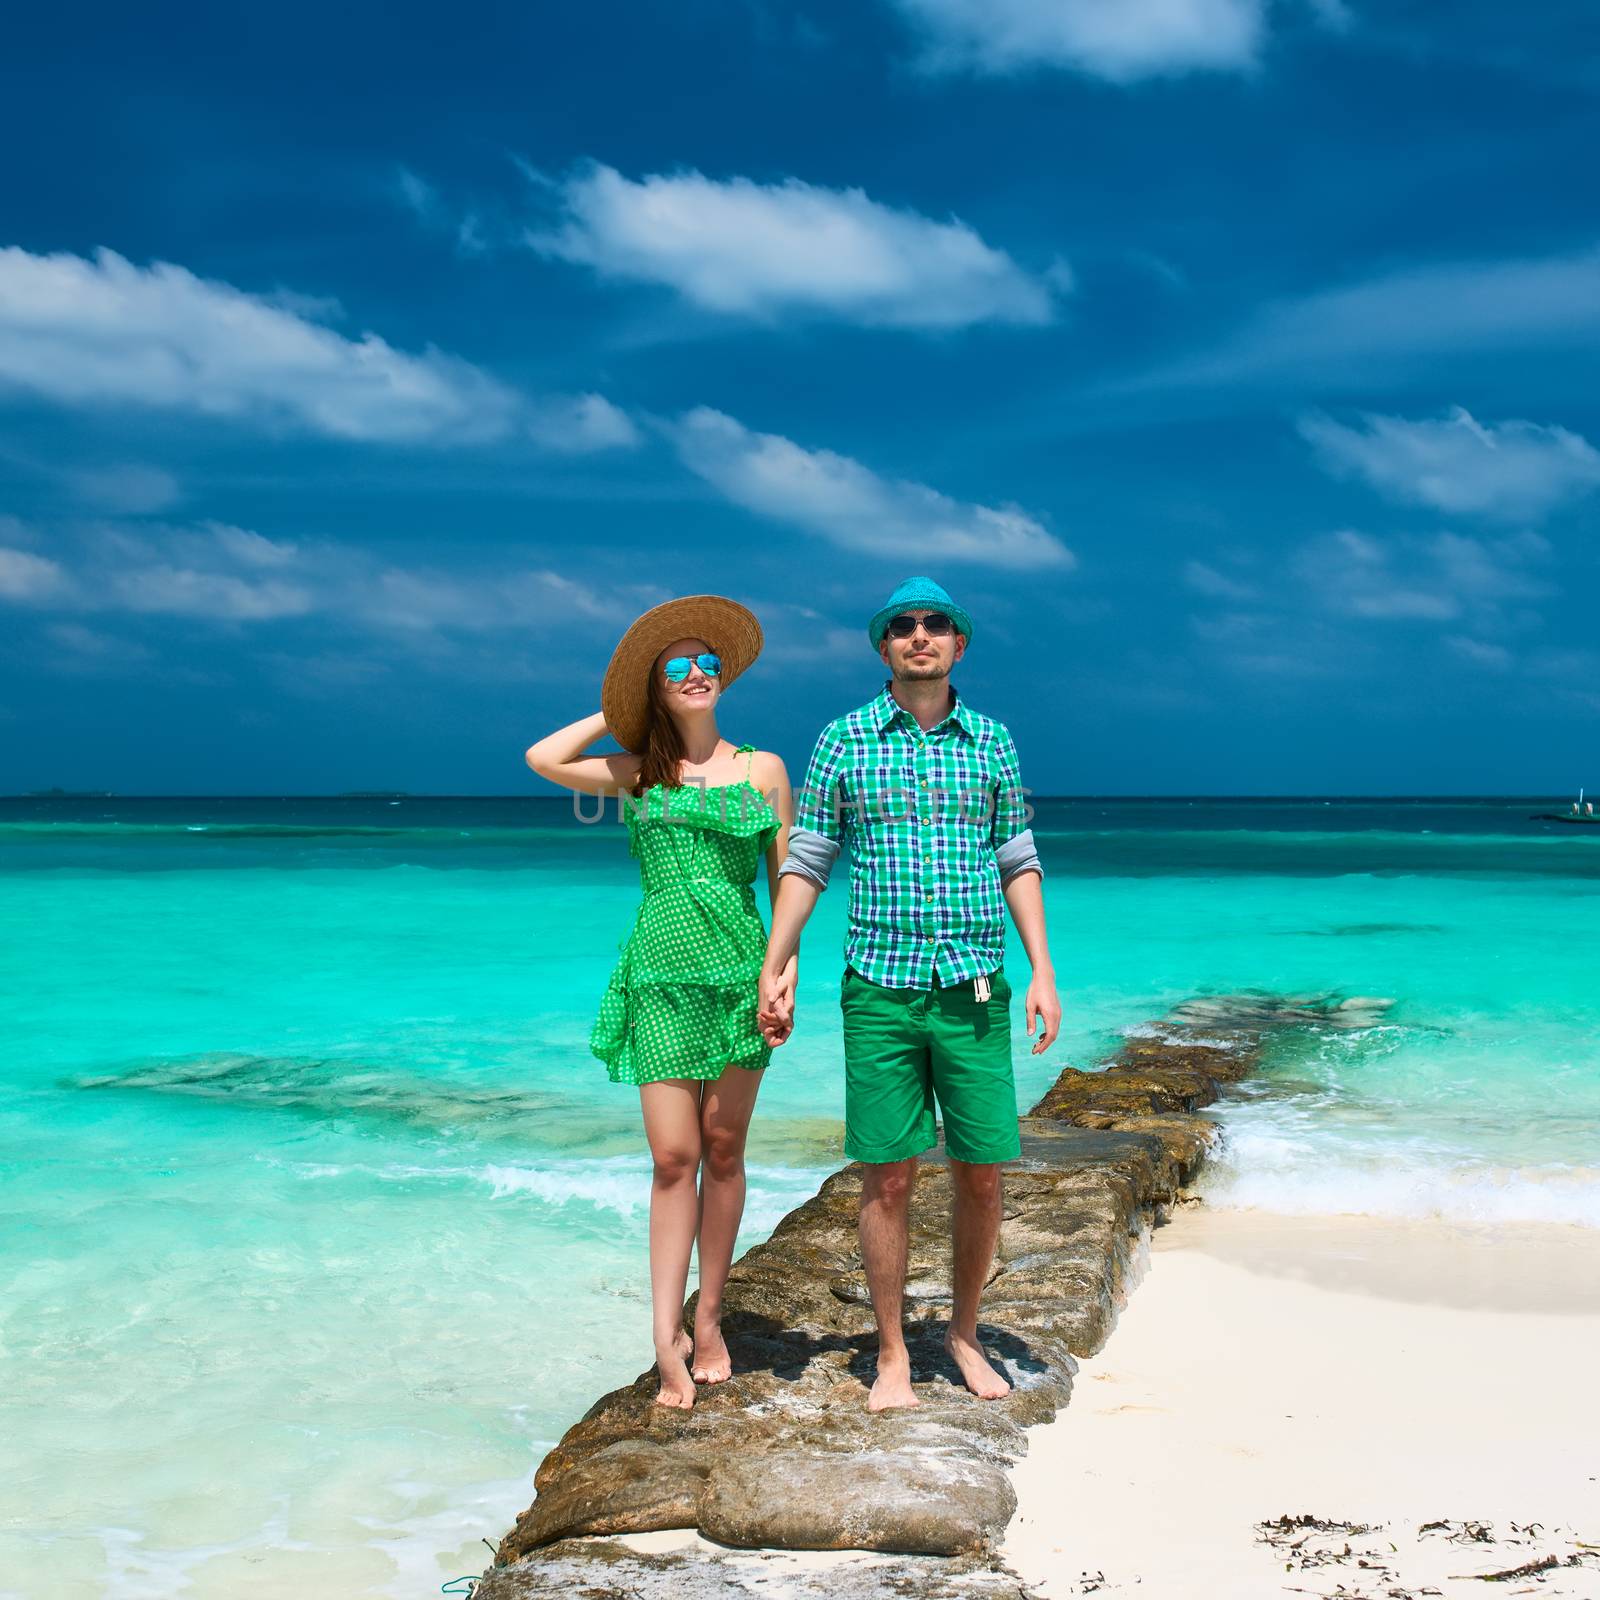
{"x":977,"y":1230}
{"x":885,"y":1204}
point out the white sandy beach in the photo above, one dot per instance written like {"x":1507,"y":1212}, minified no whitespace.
{"x":1356,"y":1370}
{"x":1350,"y":1369}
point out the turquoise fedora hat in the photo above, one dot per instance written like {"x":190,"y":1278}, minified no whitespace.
{"x":917,"y":594}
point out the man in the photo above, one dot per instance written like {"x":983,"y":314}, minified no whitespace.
{"x":928,"y":795}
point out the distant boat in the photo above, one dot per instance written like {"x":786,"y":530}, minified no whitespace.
{"x":1582,"y":813}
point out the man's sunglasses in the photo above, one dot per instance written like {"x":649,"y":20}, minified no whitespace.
{"x":677,"y":668}
{"x":936,"y":625}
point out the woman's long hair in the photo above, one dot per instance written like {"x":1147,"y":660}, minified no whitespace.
{"x":663,"y":745}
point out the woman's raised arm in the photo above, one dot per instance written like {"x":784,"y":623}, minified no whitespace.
{"x":559,"y":757}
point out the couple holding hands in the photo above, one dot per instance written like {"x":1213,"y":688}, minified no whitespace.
{"x":927,"y":794}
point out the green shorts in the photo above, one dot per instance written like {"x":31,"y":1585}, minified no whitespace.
{"x":906,"y":1048}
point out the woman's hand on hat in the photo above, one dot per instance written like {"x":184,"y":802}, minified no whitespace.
{"x":560,"y":757}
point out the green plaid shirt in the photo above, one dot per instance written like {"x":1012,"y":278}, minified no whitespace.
{"x":923,"y":814}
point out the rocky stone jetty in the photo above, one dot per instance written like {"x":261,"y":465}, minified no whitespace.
{"x":785,"y":1456}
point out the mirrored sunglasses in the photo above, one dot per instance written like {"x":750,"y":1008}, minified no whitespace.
{"x":676,"y":668}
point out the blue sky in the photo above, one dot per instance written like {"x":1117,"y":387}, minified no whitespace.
{"x":364,"y":370}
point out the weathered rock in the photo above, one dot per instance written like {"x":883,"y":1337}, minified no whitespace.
{"x":632,"y":1486}
{"x":603,"y":1569}
{"x":1255,"y":1007}
{"x":1185,"y":1137}
{"x":918,"y":1504}
{"x":786,"y":1455}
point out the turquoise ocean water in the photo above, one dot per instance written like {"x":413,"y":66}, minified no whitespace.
{"x":318,"y":1223}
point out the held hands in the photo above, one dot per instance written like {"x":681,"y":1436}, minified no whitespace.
{"x":1043,"y":1006}
{"x":775,"y":1007}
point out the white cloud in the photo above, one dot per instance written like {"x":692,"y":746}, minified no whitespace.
{"x":1440,"y":579}
{"x":798,"y":635}
{"x":1479,"y":652}
{"x":308,"y":307}
{"x":1355,"y":335}
{"x":853,"y":507}
{"x":1556,"y":662}
{"x":417,"y":194}
{"x":764,"y":250}
{"x":214,"y":596}
{"x":130,"y":488}
{"x":1208,"y":580}
{"x":582,"y":424}
{"x":250,"y":549}
{"x":90,"y":645}
{"x":1334,"y":15}
{"x":82,"y":652}
{"x":1120,"y":40}
{"x":1491,"y":571}
{"x":1283,"y":647}
{"x":424,"y":202}
{"x":29,"y":578}
{"x":216,"y":573}
{"x":103,"y":331}
{"x":1325,"y":607}
{"x":1457,"y":464}
{"x":428,"y":599}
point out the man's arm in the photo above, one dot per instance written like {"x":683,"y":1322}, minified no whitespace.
{"x":796,"y":900}
{"x":1025,"y":895}
{"x":1022,"y":881}
{"x":813,"y":844}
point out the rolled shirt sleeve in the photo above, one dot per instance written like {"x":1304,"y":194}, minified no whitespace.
{"x":1018,"y":855}
{"x":1012,"y":838}
{"x":818,"y":831}
{"x":810,"y":856}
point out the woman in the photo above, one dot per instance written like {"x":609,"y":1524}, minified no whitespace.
{"x":678,"y":1017}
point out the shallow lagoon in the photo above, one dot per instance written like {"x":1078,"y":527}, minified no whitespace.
{"x":321,"y":1223}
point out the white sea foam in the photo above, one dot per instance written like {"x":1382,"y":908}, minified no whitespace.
{"x":621,"y":1184}
{"x":618,"y":1184}
{"x":420,"y":1543}
{"x":1284,"y":1168}
{"x":1163,"y":1033}
{"x":417,"y":1542}
{"x":137,"y":1569}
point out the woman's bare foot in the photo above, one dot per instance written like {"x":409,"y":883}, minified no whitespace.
{"x":974,"y":1367}
{"x":712,"y":1362}
{"x":892,"y":1387}
{"x":672,"y":1363}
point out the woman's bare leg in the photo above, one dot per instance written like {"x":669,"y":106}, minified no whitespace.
{"x":672,"y":1125}
{"x":725,"y":1107}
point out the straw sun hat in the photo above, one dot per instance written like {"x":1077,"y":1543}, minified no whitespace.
{"x":727,"y":628}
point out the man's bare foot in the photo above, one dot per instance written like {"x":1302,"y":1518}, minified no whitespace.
{"x":712,"y":1362}
{"x":893,"y":1385}
{"x":974,"y":1367}
{"x":672,"y":1363}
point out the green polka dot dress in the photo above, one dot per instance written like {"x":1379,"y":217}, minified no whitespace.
{"x":682,"y":1000}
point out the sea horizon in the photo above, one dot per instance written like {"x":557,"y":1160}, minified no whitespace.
{"x":443,"y":794}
